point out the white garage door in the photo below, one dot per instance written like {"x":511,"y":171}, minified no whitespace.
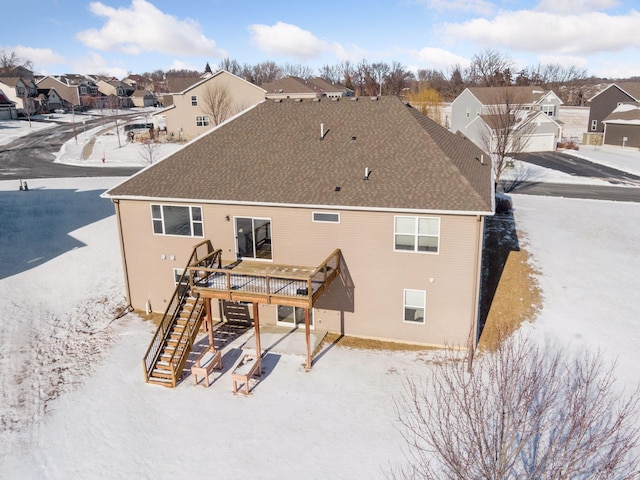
{"x":541,"y":143}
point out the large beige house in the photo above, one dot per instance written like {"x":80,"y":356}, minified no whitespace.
{"x":359,"y":216}
{"x":199,"y":108}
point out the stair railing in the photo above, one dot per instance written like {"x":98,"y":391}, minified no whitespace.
{"x":173,"y":308}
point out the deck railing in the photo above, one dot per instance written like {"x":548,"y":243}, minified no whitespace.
{"x":225,"y":283}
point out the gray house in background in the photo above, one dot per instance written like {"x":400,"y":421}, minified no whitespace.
{"x":605,"y":102}
{"x":472,"y":110}
{"x":622,"y":126}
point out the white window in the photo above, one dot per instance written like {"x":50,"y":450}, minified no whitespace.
{"x":194,"y":100}
{"x":594,"y":124}
{"x":202,"y":121}
{"x":177,"y":220}
{"x":326,"y":217}
{"x":549,"y":110}
{"x":468,"y":112}
{"x":83,"y":89}
{"x":478,"y":110}
{"x":414,"y":305}
{"x":417,"y":234}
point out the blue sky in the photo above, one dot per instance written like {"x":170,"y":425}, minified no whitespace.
{"x":121,"y":36}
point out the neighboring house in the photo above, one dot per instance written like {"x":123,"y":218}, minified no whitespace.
{"x":473,"y":109}
{"x":362,"y":215}
{"x":114,"y":88}
{"x":606,"y":101}
{"x":22,"y":91}
{"x":76,"y":90}
{"x":296,"y":87}
{"x":622,"y":126}
{"x":8,"y":109}
{"x":189,"y":114}
{"x":50,"y":100}
{"x":143,"y":98}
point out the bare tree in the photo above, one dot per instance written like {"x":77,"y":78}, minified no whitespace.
{"x":522,"y":413}
{"x":218,"y":104}
{"x":331,"y":73}
{"x":29,"y":108}
{"x":397,"y":79}
{"x":10,"y":59}
{"x":506,"y":129}
{"x":297,"y":70}
{"x":149,"y":151}
{"x":490,"y":68}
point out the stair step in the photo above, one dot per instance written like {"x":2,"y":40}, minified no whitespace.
{"x":160,"y":381}
{"x":157,"y":373}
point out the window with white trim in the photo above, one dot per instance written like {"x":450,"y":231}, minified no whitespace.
{"x":177,"y":220}
{"x":468,"y":112}
{"x":326,"y":217}
{"x":549,"y":109}
{"x":194,"y":100}
{"x":417,"y":234}
{"x":478,"y":110}
{"x":594,"y":124}
{"x":414,"y":306}
{"x":202,"y":121}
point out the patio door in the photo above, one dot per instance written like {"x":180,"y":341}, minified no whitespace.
{"x":253,"y":238}
{"x":292,"y":316}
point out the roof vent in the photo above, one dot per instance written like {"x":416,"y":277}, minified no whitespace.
{"x":353,"y":138}
{"x":375,"y":99}
{"x":337,"y":189}
{"x":367,"y":173}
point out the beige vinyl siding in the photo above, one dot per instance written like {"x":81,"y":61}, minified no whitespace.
{"x":367,"y":300}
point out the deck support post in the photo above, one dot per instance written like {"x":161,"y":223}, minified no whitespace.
{"x":209,"y":322}
{"x":307,"y":334}
{"x":256,"y":324}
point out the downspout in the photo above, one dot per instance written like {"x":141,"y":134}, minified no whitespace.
{"x":116,"y":202}
{"x":473,"y":334}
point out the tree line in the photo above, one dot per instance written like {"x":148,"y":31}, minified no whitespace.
{"x":489,"y":68}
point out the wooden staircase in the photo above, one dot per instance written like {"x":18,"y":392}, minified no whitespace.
{"x":169,"y":349}
{"x":178,"y":343}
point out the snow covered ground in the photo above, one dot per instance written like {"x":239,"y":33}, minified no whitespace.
{"x":74,"y":405}
{"x":13,"y":129}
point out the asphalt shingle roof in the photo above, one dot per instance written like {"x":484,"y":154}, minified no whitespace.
{"x":274,"y":154}
{"x":496,"y":95}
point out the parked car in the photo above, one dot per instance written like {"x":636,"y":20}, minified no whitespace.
{"x":59,"y":110}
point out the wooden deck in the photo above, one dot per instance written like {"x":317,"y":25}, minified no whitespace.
{"x":251,"y":281}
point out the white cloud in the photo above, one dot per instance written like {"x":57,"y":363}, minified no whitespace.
{"x":438,"y":58}
{"x":570,"y":6}
{"x":566,"y":60}
{"x":286,"y":39}
{"x":535,"y":31}
{"x":94,"y":63}
{"x":144,"y":28}
{"x":181,"y":65}
{"x":480,"y":7}
{"x":39,"y":56}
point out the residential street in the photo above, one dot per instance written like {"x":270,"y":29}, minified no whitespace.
{"x":33,"y":155}
{"x":580,"y":167}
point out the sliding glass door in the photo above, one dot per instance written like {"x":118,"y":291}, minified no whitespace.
{"x":253,"y":238}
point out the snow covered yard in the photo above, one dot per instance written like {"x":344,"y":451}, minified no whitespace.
{"x":13,"y":129}
{"x":74,"y":403}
